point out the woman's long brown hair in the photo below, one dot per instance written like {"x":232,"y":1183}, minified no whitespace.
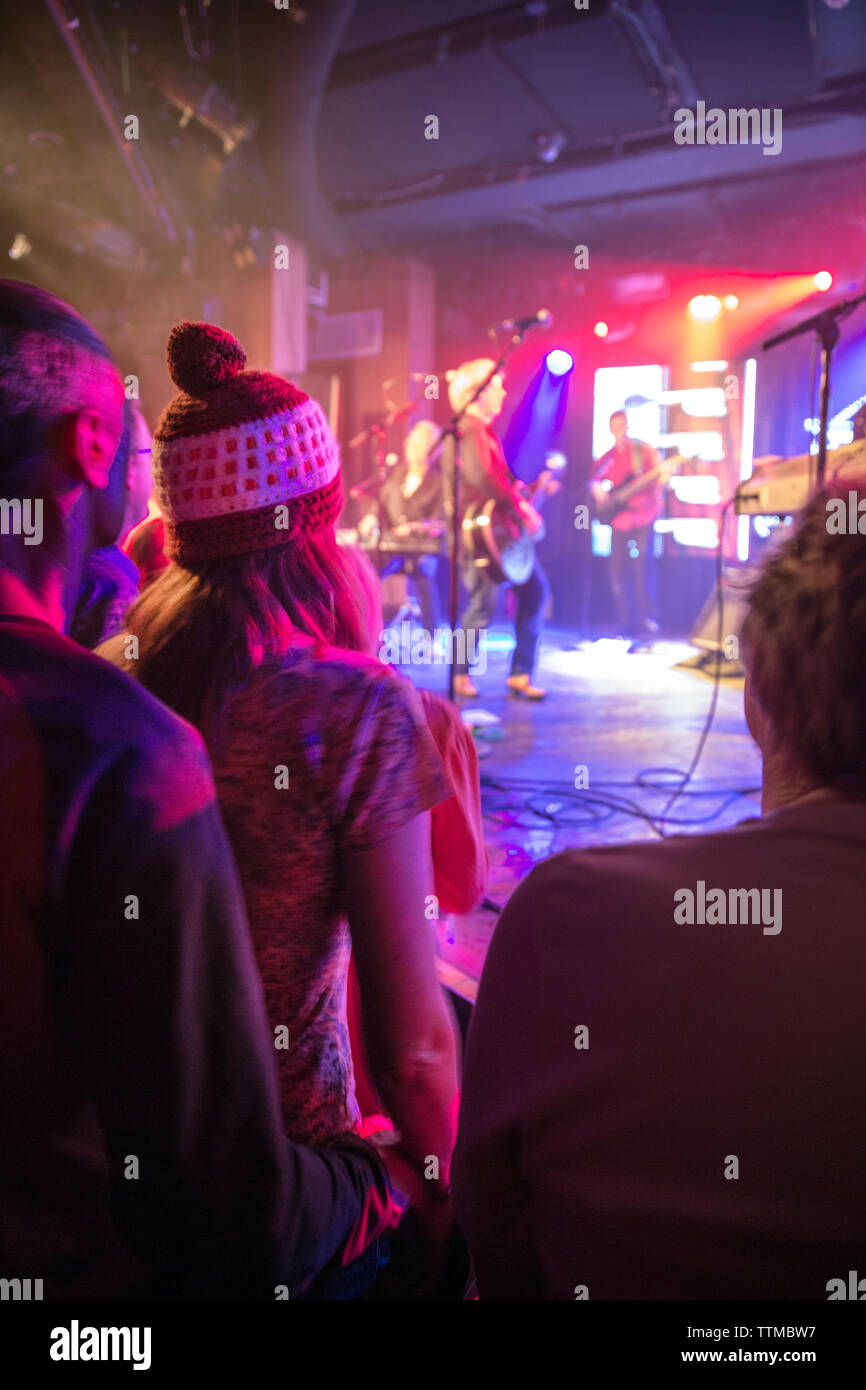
{"x":203,"y":630}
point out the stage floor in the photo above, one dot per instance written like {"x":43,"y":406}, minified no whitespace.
{"x":609,"y":717}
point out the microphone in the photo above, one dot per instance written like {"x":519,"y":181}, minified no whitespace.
{"x":396,"y":413}
{"x":543,"y":319}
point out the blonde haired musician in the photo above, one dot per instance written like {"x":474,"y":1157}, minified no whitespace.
{"x":485,"y":475}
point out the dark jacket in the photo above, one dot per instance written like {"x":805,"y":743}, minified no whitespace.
{"x":142,"y":1150}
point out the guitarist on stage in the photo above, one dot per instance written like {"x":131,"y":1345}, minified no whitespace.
{"x":631,"y":527}
{"x":485,"y":475}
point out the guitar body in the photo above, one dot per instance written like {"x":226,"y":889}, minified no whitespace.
{"x":642,"y":508}
{"x":497,"y":542}
{"x":636,"y":495}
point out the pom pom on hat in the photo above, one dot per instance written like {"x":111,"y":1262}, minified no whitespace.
{"x":242,"y":460}
{"x":201,"y":357}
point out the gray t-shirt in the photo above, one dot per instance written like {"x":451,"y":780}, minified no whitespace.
{"x":324,"y":752}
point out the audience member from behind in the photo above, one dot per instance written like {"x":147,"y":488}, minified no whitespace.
{"x":109,"y":581}
{"x":142,"y":1149}
{"x":324,"y":767}
{"x":663,"y":1095}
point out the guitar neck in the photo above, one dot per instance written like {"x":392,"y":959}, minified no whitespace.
{"x":638,"y":484}
{"x":533,"y":489}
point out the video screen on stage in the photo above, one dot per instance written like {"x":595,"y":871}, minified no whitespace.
{"x":692,"y":418}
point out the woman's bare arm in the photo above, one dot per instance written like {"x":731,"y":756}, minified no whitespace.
{"x":408,"y":1030}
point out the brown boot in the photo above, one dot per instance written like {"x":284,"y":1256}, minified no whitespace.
{"x":463,"y":687}
{"x":522,"y":686}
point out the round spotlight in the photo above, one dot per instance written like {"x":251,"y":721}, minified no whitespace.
{"x":559,"y":362}
{"x":731,"y":301}
{"x":21,"y":247}
{"x":601,"y":329}
{"x":705,"y":307}
{"x":823,"y":280}
{"x":549,"y":145}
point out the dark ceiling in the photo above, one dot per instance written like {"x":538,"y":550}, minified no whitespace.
{"x":250,"y":115}
{"x":607,"y":80}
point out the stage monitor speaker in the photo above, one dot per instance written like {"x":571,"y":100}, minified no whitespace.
{"x":735,"y":587}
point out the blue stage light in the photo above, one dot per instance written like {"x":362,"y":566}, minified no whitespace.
{"x":558,"y":362}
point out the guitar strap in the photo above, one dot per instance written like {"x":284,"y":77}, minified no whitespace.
{"x":636,"y":458}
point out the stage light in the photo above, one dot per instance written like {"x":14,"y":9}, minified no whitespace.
{"x":704,"y":307}
{"x":600,"y":330}
{"x":549,"y":145}
{"x":731,"y":301}
{"x":205,"y":102}
{"x":21,"y":247}
{"x":823,"y":280}
{"x":559,"y":362}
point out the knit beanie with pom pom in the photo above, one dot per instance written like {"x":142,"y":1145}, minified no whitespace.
{"x":242,"y":460}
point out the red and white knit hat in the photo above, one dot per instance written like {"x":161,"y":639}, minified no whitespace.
{"x":242,"y":461}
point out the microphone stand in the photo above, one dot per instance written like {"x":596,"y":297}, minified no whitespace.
{"x":826,"y":326}
{"x":452,"y":431}
{"x":378,"y":433}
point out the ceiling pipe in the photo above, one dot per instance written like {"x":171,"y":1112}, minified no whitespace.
{"x":456,"y":38}
{"x":298,"y":74}
{"x":131,"y":157}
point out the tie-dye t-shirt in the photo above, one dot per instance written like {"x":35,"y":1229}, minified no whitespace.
{"x":322,"y":753}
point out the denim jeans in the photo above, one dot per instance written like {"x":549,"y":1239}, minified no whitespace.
{"x":625,"y":567}
{"x":531,"y":602}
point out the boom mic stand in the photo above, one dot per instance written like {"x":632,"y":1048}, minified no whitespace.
{"x":826,"y":326}
{"x":378,"y":432}
{"x":452,"y":431}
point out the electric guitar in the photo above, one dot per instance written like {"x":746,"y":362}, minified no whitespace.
{"x":501,"y":538}
{"x":611,"y":502}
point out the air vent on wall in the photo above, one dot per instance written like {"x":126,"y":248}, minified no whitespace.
{"x":336,"y":336}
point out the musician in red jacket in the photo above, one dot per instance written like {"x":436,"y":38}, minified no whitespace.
{"x":484,"y":476}
{"x":631,"y":526}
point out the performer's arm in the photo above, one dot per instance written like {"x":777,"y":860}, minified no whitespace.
{"x":600,"y":472}
{"x":482,"y":471}
{"x":597,"y":478}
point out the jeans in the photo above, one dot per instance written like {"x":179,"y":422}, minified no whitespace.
{"x":623,"y":565}
{"x":483,"y":595}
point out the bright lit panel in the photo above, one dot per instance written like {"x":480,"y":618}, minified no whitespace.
{"x":705,"y":444}
{"x":699,"y":490}
{"x":612,"y":386}
{"x":747,"y":448}
{"x":700,"y":531}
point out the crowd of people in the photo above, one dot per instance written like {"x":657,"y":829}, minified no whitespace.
{"x":227,"y":1067}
